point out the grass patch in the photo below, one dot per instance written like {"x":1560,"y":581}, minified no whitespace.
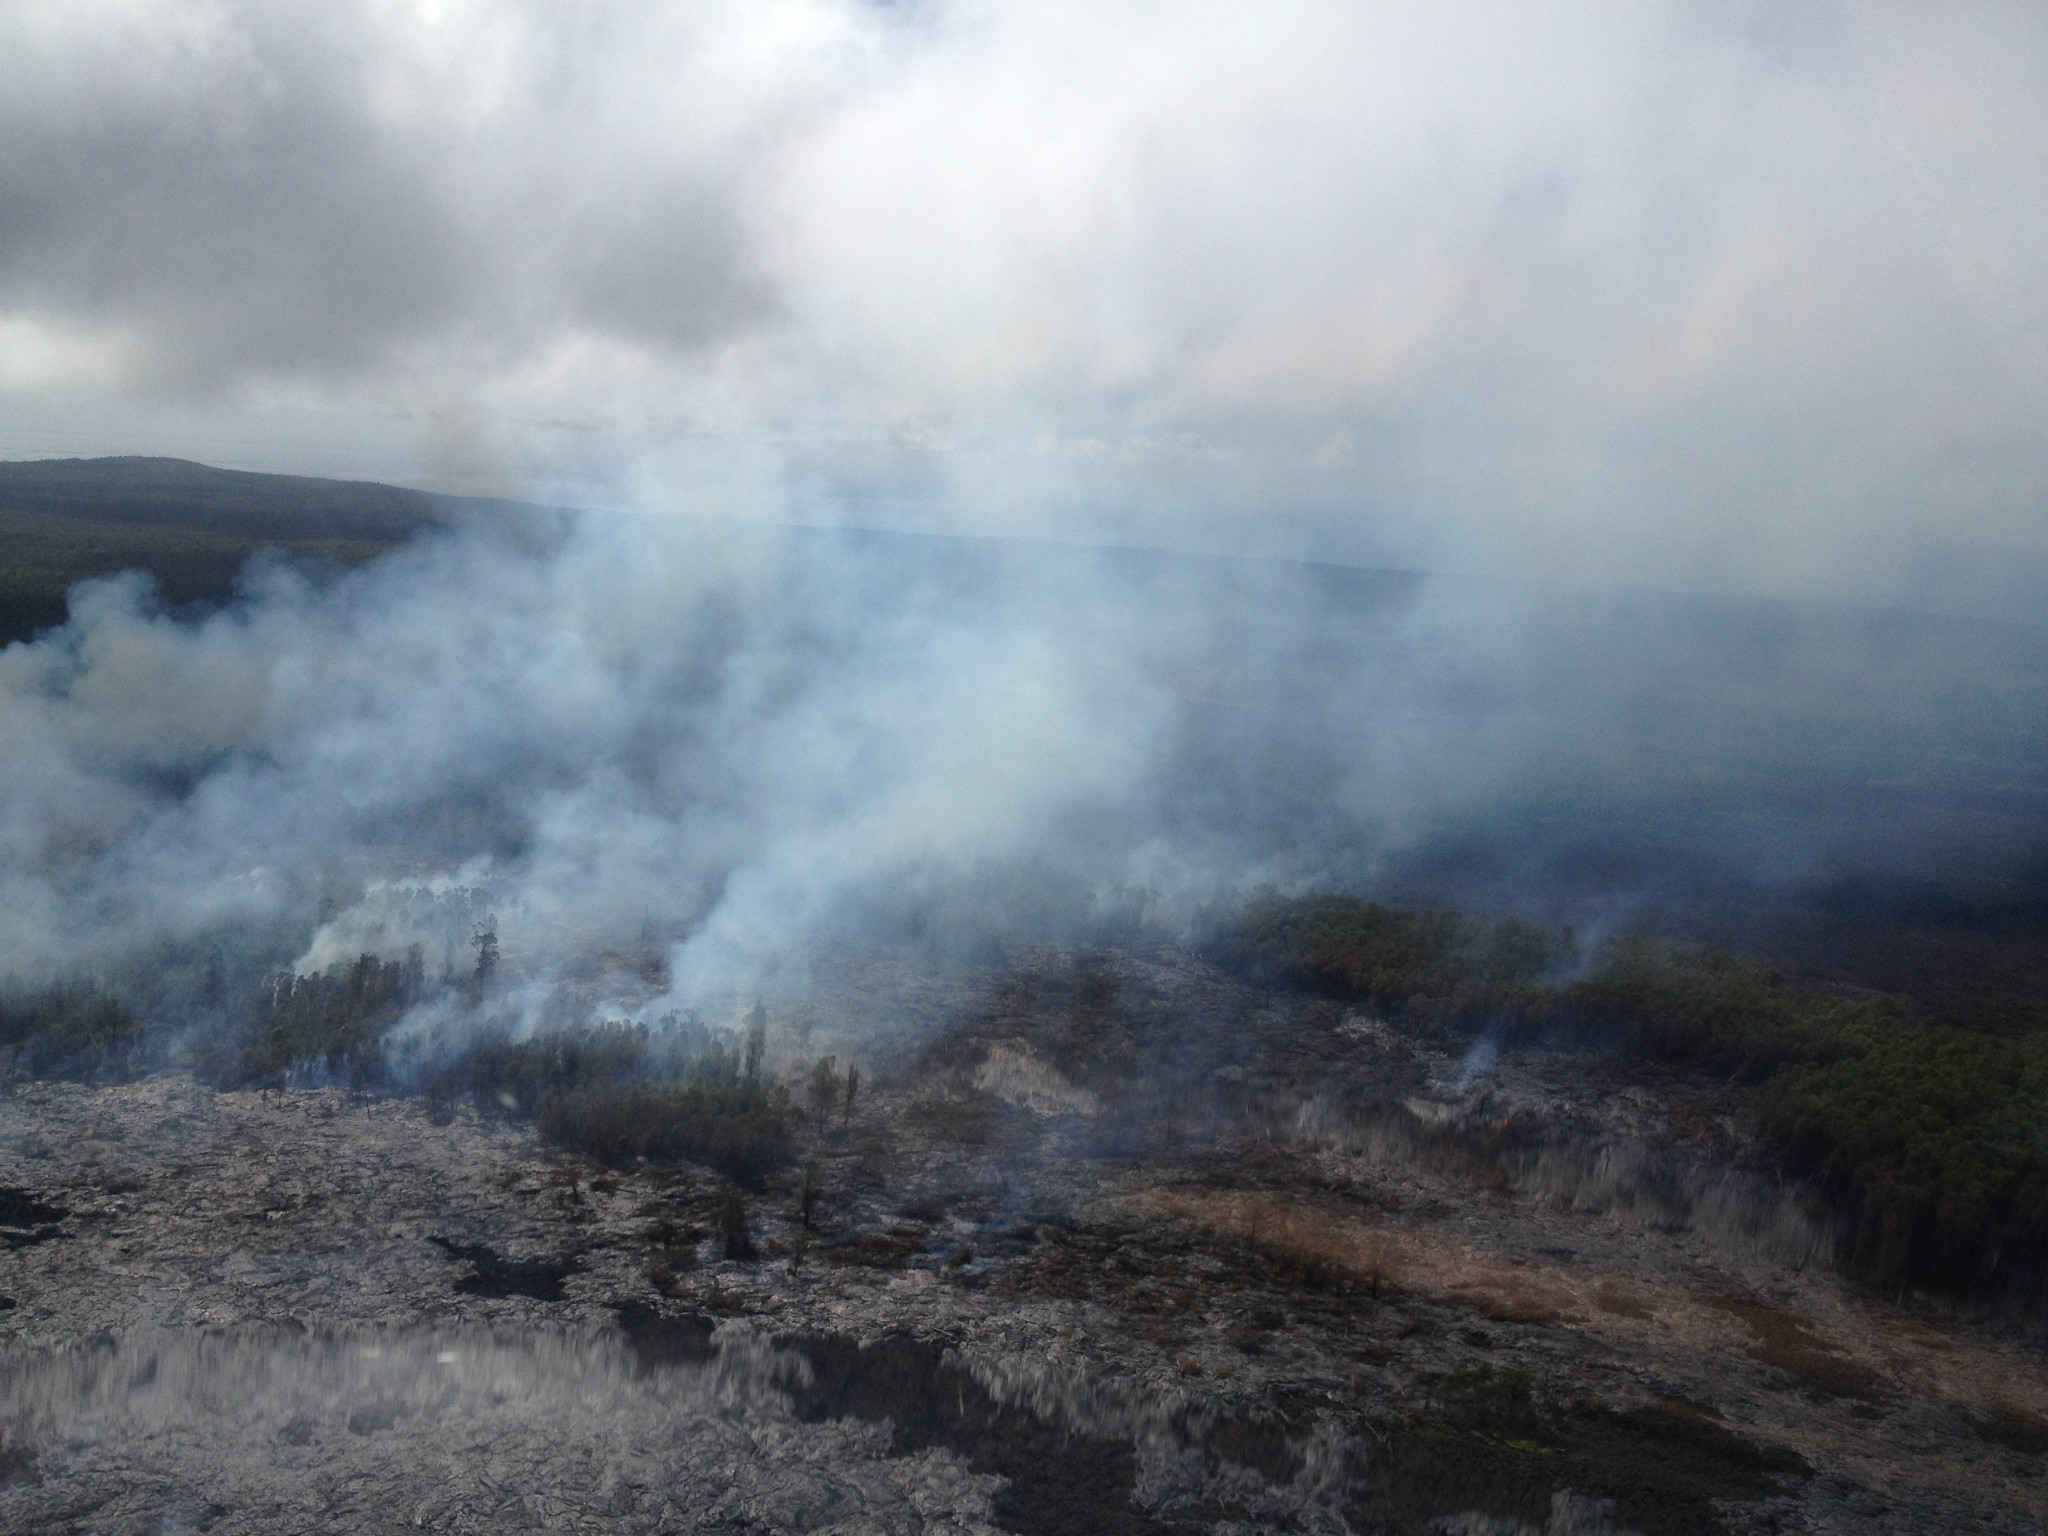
{"x":2013,"y":1428}
{"x":1786,"y":1342}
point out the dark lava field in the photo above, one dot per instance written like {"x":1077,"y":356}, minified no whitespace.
{"x":1108,"y":1241}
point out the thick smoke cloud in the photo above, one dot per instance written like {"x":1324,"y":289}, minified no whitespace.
{"x":1739,"y":297}
{"x":724,"y":747}
{"x":612,"y":730}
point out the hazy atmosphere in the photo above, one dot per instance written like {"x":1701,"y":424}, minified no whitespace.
{"x":1736,"y":297}
{"x":1734,"y":300}
{"x":934,"y":766}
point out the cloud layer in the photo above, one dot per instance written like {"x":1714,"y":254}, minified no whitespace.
{"x":1739,"y":296}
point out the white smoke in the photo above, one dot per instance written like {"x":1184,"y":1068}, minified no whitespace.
{"x":717,"y":731}
{"x":719,"y":745}
{"x":1744,"y":296}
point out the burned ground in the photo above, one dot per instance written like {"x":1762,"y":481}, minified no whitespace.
{"x":1109,"y":1241}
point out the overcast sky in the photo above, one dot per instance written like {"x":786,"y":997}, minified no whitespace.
{"x":1741,"y":296}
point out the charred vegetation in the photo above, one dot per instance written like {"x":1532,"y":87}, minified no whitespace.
{"x":331,"y":1023}
{"x":1378,"y":1196}
{"x":1919,"y":1139}
{"x":1147,"y":1243}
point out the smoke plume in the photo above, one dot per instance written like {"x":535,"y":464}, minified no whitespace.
{"x":719,"y":746}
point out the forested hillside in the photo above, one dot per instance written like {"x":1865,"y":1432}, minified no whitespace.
{"x":190,"y":526}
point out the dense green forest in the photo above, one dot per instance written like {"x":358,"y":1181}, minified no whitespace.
{"x":190,"y":527}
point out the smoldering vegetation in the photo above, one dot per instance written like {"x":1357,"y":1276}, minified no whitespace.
{"x":439,"y":1423}
{"x":1900,"y":1150}
{"x":1039,"y":1448}
{"x":526,"y":815}
{"x":720,"y":744}
{"x":1487,"y":1141}
{"x":1912,"y":1143}
{"x":626,"y":1094}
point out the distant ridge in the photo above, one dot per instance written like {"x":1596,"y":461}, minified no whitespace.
{"x":190,"y":526}
{"x":230,"y":502}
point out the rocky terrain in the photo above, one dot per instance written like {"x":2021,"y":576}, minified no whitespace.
{"x":1104,"y":1242}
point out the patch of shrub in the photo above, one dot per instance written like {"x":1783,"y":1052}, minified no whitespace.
{"x":623,"y":1093}
{"x":825,"y":1089}
{"x":1430,"y":966}
{"x":1927,"y":1143}
{"x":740,"y":1129}
{"x":78,"y":1031}
{"x":519,"y":1075}
{"x":1933,"y":1146}
{"x":336,"y":1018}
{"x":1735,"y":1015}
{"x":732,"y":1225}
{"x":1496,"y":1402}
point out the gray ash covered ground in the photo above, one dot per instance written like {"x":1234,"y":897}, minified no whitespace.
{"x":1108,"y":1242}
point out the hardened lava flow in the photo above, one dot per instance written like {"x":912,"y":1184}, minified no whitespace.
{"x":1107,"y":1241}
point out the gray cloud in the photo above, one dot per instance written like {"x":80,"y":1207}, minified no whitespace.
{"x":223,"y":195}
{"x":310,"y":192}
{"x":1738,"y":297}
